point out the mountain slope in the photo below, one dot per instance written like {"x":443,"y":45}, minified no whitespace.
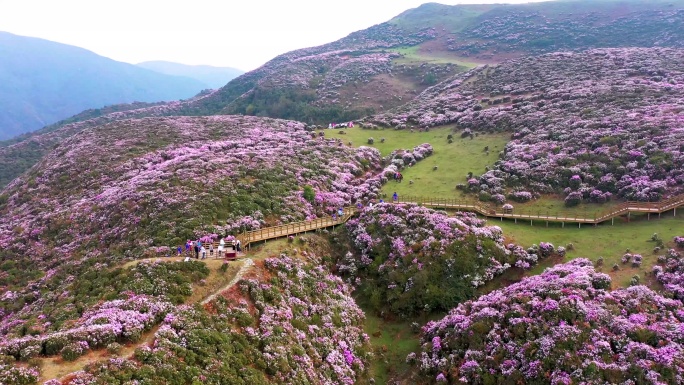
{"x":589,"y":124}
{"x":388,"y":65}
{"x":384,"y":66}
{"x":42,"y":82}
{"x":212,"y":77}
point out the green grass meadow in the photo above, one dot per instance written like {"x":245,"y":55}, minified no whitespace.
{"x":453,"y":160}
{"x":605,"y":240}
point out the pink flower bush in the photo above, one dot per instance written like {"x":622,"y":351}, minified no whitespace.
{"x":17,"y":375}
{"x":119,"y":320}
{"x":679,"y":241}
{"x":562,"y":326}
{"x":670,"y":273}
{"x":410,"y":259}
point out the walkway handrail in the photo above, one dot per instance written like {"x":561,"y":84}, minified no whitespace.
{"x":558,"y":216}
{"x":265,"y":233}
{"x":483,"y":209}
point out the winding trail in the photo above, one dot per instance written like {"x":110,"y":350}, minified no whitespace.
{"x":246,"y":265}
{"x":55,"y":367}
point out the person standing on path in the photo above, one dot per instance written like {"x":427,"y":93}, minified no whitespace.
{"x":395,"y":197}
{"x":222,"y":244}
{"x":197,"y":249}
{"x":211,"y":250}
{"x":203,"y":251}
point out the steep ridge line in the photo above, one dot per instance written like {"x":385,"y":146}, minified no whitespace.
{"x":625,"y":208}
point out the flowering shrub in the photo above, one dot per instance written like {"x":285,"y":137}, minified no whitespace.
{"x":635,"y":259}
{"x":573,"y":199}
{"x":679,"y":241}
{"x":671,"y":273}
{"x":298,"y":326}
{"x":520,"y":196}
{"x":408,"y":259}
{"x":102,"y":323}
{"x":74,"y":350}
{"x":561,"y":327}
{"x":13,"y":375}
{"x":123,"y":320}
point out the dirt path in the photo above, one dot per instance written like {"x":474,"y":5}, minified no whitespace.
{"x":56,"y":367}
{"x":246,"y":265}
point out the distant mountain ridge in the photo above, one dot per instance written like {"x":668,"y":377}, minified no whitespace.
{"x":384,"y":66}
{"x":212,"y":77}
{"x":42,"y":82}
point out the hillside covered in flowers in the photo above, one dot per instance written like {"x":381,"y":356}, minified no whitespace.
{"x":562,"y":327}
{"x":160,"y":182}
{"x":591,"y":95}
{"x":389,"y":64}
{"x":589,"y":125}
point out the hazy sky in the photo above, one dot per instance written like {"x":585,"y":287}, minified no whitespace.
{"x":235,"y":33}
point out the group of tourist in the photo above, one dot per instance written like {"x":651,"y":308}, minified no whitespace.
{"x":341,"y":125}
{"x":200,"y":250}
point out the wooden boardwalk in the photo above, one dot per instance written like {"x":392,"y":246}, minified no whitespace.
{"x":294,"y":228}
{"x":624,"y":209}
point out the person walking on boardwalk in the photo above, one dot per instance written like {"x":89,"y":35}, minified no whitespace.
{"x":197,"y":250}
{"x":203,"y":251}
{"x":211,"y":250}
{"x":395,"y":197}
{"x":340,"y":212}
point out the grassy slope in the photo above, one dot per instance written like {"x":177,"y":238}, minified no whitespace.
{"x":454,"y":160}
{"x":609,"y":242}
{"x":417,"y":54}
{"x":453,"y":19}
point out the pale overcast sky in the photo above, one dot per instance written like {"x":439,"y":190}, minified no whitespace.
{"x":241,"y":34}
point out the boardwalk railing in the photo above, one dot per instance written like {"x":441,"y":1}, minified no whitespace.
{"x":625,"y":208}
{"x":294,"y":228}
